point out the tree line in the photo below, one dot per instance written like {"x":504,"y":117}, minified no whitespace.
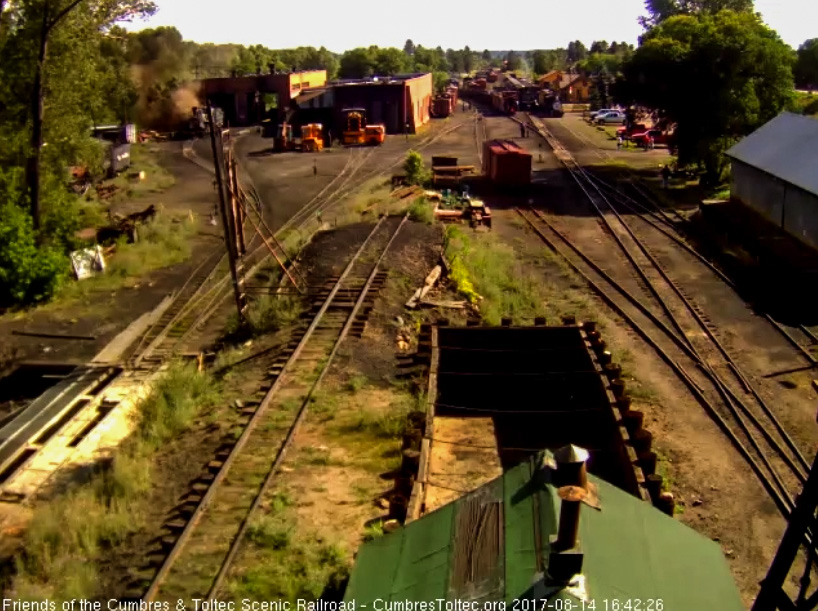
{"x":709,"y":66}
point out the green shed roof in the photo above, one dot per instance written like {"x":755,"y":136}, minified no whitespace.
{"x":493,"y":544}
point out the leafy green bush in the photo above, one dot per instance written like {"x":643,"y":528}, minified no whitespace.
{"x":28,"y":273}
{"x":421,"y":211}
{"x":415,"y":169}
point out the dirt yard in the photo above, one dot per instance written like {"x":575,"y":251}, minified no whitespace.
{"x":104,"y":312}
{"x":349,"y":445}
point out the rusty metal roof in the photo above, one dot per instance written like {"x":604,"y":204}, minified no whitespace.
{"x":494,"y":544}
{"x":786,"y":148}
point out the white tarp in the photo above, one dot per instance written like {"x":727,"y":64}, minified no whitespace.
{"x":87,"y":262}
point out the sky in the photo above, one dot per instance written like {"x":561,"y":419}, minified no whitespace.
{"x":533,"y":24}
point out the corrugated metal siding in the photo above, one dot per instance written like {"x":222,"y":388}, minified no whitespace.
{"x":759,"y":191}
{"x":801,"y":215}
{"x":786,"y":206}
{"x":786,"y":147}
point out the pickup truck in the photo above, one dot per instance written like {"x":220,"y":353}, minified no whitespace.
{"x":613,"y":116}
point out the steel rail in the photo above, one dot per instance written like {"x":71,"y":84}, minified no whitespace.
{"x":302,"y":411}
{"x":195,"y":517}
{"x":781,"y":503}
{"x":799,"y":471}
{"x":728,"y":397}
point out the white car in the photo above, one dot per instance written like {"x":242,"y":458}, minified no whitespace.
{"x":596,"y":113}
{"x":613,"y":116}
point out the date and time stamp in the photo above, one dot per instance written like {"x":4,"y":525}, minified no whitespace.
{"x":603,"y":604}
{"x":557,"y":603}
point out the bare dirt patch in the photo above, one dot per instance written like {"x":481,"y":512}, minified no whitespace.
{"x":464,"y":457}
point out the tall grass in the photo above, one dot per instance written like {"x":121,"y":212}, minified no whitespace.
{"x":267,"y":314}
{"x":67,"y":537}
{"x":175,"y":401}
{"x":286,"y":565}
{"x":484,"y":266}
{"x":421,"y":211}
{"x":162,"y":242}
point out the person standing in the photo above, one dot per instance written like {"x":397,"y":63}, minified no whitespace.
{"x":650,"y":142}
{"x":315,"y":167}
{"x":522,"y":130}
{"x":665,"y":176}
{"x":618,"y":142}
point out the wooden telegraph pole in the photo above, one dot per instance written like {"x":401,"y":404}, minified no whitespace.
{"x":235,"y":203}
{"x":772,"y":596}
{"x":229,"y":231}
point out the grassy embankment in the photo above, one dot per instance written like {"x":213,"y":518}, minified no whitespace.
{"x":65,"y":544}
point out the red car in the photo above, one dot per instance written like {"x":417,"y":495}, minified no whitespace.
{"x":659,"y":137}
{"x":627,"y":132}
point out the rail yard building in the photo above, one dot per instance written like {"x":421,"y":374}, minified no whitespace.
{"x":401,"y":103}
{"x":773,"y":174}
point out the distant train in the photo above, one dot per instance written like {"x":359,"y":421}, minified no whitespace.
{"x":549,"y":104}
{"x":505,"y":101}
{"x":527,"y":92}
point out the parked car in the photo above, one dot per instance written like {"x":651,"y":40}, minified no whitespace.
{"x":596,"y":113}
{"x":613,"y":116}
{"x":627,"y":132}
{"x":659,"y":137}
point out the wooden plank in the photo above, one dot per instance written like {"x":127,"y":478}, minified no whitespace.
{"x":425,"y":455}
{"x":456,"y":305}
{"x":415,"y":502}
{"x":413,"y":300}
{"x":431,"y":393}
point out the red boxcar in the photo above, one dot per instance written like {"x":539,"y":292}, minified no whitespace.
{"x":506,"y":163}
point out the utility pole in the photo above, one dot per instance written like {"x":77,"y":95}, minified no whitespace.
{"x":229,"y":234}
{"x":772,"y":596}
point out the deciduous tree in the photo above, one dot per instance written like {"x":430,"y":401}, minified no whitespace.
{"x":718,"y":77}
{"x":37,"y":22}
{"x":357,"y":63}
{"x":806,"y":64}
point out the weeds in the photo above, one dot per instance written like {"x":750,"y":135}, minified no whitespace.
{"x":270,"y":532}
{"x":176,"y":400}
{"x":325,"y":405}
{"x":320,"y":457}
{"x":384,"y":425}
{"x":288,"y":566}
{"x":356,"y":383}
{"x":491,"y":268}
{"x":268,"y":314}
{"x":64,"y":541}
{"x":373,"y":531}
{"x":421,"y":211}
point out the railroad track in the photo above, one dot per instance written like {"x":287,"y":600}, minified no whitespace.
{"x":713,"y":377}
{"x":208,"y":286}
{"x":205,"y":533}
{"x":649,"y":212}
{"x":203,"y":294}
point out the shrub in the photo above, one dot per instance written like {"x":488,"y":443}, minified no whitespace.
{"x":421,"y":211}
{"x":415,"y":169}
{"x":28,"y":273}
